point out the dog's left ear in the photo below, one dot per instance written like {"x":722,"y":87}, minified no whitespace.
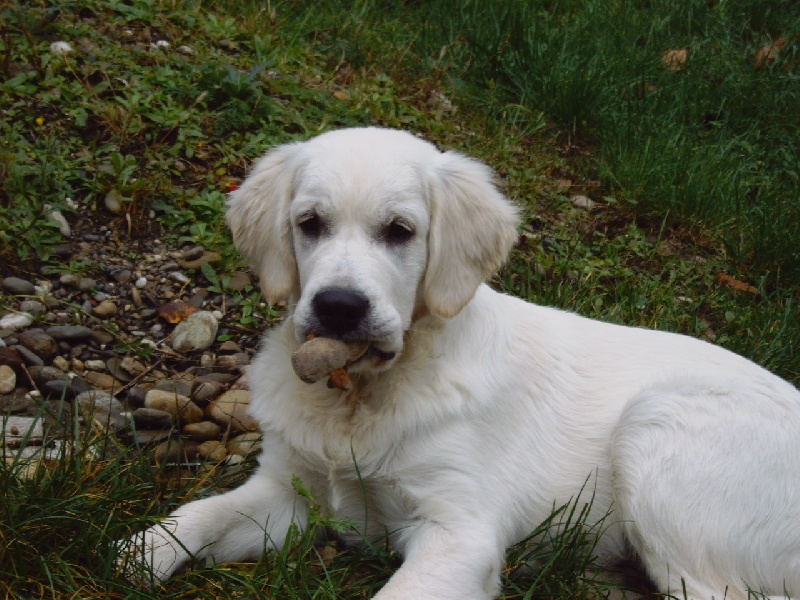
{"x":258,"y":215}
{"x":473,"y":228}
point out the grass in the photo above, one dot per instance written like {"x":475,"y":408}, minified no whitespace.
{"x":62,"y":519}
{"x":712,"y":139}
{"x":694,"y":174}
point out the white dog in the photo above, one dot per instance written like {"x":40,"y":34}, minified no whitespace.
{"x":473,"y":413}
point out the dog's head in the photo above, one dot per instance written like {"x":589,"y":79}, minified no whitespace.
{"x":362,"y":229}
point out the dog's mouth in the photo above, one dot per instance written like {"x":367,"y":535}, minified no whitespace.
{"x":375,"y":357}
{"x":382,"y":355}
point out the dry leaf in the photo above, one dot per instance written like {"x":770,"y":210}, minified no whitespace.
{"x":175,"y":312}
{"x":327,"y":553}
{"x":675,"y":60}
{"x":767,"y":54}
{"x":207,"y":257}
{"x":340,"y":380}
{"x":735,"y":284}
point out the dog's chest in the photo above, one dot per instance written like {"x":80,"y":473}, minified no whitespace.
{"x":358,"y":477}
{"x":374,"y":505}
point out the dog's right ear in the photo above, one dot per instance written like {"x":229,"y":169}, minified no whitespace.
{"x":473,"y":228}
{"x":258,"y":215}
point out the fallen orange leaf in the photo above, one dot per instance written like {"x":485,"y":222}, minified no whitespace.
{"x":767,"y":54}
{"x":675,"y":60}
{"x":175,"y":312}
{"x":735,"y":284}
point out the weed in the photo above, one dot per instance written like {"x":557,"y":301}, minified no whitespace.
{"x":197,"y":218}
{"x":252,"y":309}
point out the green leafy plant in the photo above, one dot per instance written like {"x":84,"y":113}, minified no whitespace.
{"x":252,"y":311}
{"x":237,"y":96}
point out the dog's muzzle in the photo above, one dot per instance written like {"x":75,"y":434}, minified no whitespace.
{"x":343,"y":313}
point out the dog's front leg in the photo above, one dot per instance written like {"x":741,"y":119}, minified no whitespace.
{"x":238,"y":525}
{"x":447,"y":562}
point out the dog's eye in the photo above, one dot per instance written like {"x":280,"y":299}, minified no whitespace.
{"x":311,"y":225}
{"x":398,"y":232}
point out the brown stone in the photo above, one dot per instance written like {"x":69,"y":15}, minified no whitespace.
{"x":8,"y":379}
{"x":104,"y":381}
{"x":175,"y":452}
{"x":175,"y":404}
{"x":205,"y":390}
{"x":38,"y":342}
{"x":107,"y":308}
{"x":245,"y":444}
{"x":11,"y":357}
{"x":212,"y":450}
{"x":202,"y":431}
{"x":230,"y":410}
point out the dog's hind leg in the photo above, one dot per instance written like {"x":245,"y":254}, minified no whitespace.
{"x":707,"y":486}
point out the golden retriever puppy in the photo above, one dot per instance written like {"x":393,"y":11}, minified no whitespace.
{"x":472,"y":413}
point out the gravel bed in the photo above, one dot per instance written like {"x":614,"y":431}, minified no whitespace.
{"x":139,"y":347}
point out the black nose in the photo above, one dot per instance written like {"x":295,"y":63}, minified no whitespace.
{"x":340,"y":311}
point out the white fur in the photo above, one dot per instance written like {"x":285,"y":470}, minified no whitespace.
{"x":492,"y":410}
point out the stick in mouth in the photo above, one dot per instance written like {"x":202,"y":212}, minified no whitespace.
{"x":325,"y":357}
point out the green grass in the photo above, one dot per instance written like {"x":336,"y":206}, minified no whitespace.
{"x":62,"y":519}
{"x":695,"y":174}
{"x":716,"y":142}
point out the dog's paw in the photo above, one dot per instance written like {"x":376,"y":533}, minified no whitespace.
{"x":151,"y":556}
